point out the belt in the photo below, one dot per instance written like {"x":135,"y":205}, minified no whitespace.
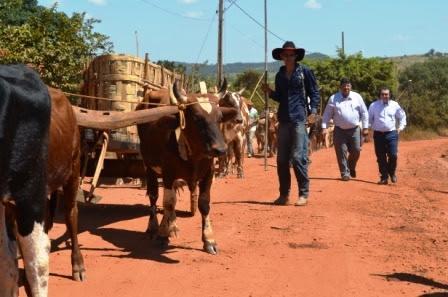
{"x":383,"y":132}
{"x":347,"y":128}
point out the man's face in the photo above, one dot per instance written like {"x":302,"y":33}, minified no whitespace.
{"x":385,"y":95}
{"x":345,"y":89}
{"x":288,"y":57}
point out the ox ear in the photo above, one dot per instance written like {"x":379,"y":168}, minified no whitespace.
{"x":223,"y":88}
{"x":228,"y":113}
{"x":170,"y":122}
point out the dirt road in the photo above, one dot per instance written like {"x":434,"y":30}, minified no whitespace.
{"x":354,"y":238}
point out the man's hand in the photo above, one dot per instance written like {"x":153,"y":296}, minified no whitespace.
{"x":266,"y":88}
{"x":324,"y":131}
{"x":365,"y":132}
{"x":312,"y":118}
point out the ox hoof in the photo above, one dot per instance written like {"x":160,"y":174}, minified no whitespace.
{"x":240,"y":175}
{"x":210,"y":248}
{"x":163,"y":241}
{"x":80,"y":275}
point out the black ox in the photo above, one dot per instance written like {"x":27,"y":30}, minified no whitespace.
{"x":24,"y":127}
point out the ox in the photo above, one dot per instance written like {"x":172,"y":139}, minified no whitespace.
{"x":182,"y":146}
{"x":64,"y":171}
{"x":234,"y":132}
{"x":25,"y":109}
{"x":260,"y":134}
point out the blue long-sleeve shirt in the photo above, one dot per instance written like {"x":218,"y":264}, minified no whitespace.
{"x":292,"y":94}
{"x":346,"y":112}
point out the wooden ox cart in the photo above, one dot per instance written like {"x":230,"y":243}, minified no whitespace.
{"x":113,"y":86}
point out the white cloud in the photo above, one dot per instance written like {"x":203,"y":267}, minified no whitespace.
{"x":188,"y":1}
{"x":313,"y":4}
{"x":194,"y":14}
{"x":98,"y":2}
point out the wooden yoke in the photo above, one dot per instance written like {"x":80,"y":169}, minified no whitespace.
{"x":110,"y":120}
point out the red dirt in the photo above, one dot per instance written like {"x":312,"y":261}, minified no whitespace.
{"x":354,"y":238}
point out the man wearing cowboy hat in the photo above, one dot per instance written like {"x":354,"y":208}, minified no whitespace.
{"x":293,"y":84}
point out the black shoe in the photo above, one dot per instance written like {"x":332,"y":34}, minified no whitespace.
{"x":345,"y":178}
{"x":282,"y":200}
{"x":393,"y":178}
{"x":353,"y":173}
{"x":383,"y":181}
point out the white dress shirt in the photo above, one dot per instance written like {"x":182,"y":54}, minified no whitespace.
{"x":386,"y":117}
{"x":346,"y":112}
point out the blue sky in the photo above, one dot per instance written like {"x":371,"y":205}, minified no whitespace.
{"x":177,"y":29}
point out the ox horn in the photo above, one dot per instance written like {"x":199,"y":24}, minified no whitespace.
{"x":176,"y":95}
{"x":241,"y":91}
{"x":223,"y":87}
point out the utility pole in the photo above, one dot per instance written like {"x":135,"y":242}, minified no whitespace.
{"x":219,"y":62}
{"x":266,"y":105}
{"x":343,"y":44}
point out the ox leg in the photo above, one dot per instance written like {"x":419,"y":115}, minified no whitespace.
{"x":222,"y":166}
{"x":9,"y":276}
{"x":204,"y":207}
{"x":194,"y":193}
{"x":239,"y":155}
{"x":35,"y":249}
{"x":71,"y":221}
{"x":168,"y":227}
{"x":152,"y":192}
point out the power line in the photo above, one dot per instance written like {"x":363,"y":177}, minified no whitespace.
{"x":173,"y":12}
{"x":206,"y":37}
{"x":253,"y":19}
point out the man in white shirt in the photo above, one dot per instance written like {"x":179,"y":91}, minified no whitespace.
{"x":386,"y":119}
{"x":347,"y":109}
{"x":253,"y":118}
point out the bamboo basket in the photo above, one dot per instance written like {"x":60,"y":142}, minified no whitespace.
{"x":123,"y":78}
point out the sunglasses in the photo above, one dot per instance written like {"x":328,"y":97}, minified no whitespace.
{"x":288,"y":55}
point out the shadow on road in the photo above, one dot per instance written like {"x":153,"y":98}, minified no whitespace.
{"x":338,"y":179}
{"x":417,"y":279}
{"x":93,"y":217}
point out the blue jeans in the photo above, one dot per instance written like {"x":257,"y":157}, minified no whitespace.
{"x":386,"y":150}
{"x":293,"y":149}
{"x":347,"y":144}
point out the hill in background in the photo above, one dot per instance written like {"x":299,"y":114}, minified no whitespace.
{"x":231,"y":69}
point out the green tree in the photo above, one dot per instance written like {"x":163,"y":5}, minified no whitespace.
{"x":366,"y":74}
{"x":171,"y":65}
{"x":57,"y":45}
{"x":424,"y":93}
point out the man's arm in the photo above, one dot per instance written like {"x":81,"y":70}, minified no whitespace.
{"x":363,"y":113}
{"x":400,"y":115}
{"x":328,"y":113}
{"x":371,"y":114}
{"x":312,"y":89}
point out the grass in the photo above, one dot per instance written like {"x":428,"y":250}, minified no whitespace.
{"x":416,"y":133}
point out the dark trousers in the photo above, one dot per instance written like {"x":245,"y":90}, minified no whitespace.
{"x":347,"y":144}
{"x":386,"y":150}
{"x":293,"y":149}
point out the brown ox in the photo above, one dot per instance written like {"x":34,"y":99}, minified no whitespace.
{"x":182,"y":146}
{"x":260,"y":134}
{"x":63,"y":172}
{"x":234,"y":132}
